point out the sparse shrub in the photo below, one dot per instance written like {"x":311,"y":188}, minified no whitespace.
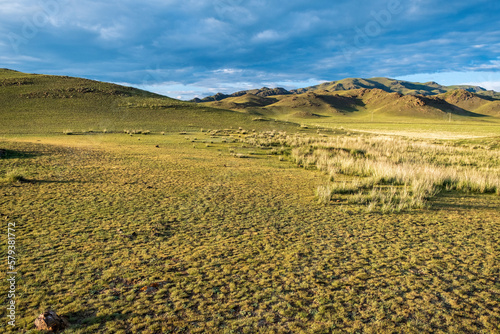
{"x":324,"y":194}
{"x":15,"y":176}
{"x":423,"y":168}
{"x":68,"y":132}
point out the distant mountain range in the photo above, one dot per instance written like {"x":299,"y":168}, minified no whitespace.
{"x":385,"y":84}
{"x":263,"y":92}
{"x":383,"y":95}
{"x":34,"y":103}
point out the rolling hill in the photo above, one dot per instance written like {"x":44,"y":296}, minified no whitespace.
{"x":34,"y":103}
{"x":392,"y":85}
{"x":262,"y":92}
{"x":392,"y":98}
{"x":385,"y":84}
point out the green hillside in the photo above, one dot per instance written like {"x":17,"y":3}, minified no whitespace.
{"x":244,"y":102}
{"x":262,"y":92}
{"x":32,"y":103}
{"x":385,"y":84}
{"x":390,"y":98}
{"x":397,"y":86}
{"x":35,"y":104}
{"x":358,"y":102}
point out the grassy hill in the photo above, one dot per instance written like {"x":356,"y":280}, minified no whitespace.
{"x":32,"y":103}
{"x":385,"y":84}
{"x":392,"y":85}
{"x":262,"y":92}
{"x":244,"y":102}
{"x":358,"y":102}
{"x":35,"y":104}
{"x":385,"y":97}
{"x":480,"y":104}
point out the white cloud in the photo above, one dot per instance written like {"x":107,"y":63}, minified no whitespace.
{"x":231,"y":11}
{"x":491,"y":65}
{"x":267,"y":35}
{"x":106,"y":33}
{"x":228,"y":71}
{"x":15,"y":8}
{"x":214,"y":24}
{"x":305,"y":21}
{"x":490,"y":85}
{"x":488,"y":80}
{"x":112,"y":33}
{"x":18,"y":59}
{"x":292,"y":84}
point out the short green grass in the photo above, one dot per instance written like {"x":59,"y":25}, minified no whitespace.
{"x":137,"y":213}
{"x":122,"y":236}
{"x":459,"y":127}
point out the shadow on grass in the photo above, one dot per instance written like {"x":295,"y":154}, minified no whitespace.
{"x":54,"y":181}
{"x":455,"y":200}
{"x":11,"y":154}
{"x":83,"y":319}
{"x":22,"y":181}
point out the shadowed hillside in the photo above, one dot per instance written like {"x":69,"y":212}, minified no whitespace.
{"x":375,"y":100}
{"x":263,"y":92}
{"x":385,"y":84}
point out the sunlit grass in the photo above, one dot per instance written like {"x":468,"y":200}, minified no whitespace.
{"x":120,"y":235}
{"x":419,"y":169}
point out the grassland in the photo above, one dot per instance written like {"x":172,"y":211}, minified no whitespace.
{"x":122,"y":236}
{"x":395,"y":173}
{"x":136,"y":213}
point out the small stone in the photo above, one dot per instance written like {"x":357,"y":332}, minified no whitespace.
{"x":50,"y":321}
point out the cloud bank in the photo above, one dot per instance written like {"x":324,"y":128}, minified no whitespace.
{"x":187,"y":48}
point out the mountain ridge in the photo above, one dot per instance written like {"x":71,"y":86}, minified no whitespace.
{"x":58,"y":102}
{"x":318,"y":102}
{"x":262,"y":92}
{"x":386,"y":84}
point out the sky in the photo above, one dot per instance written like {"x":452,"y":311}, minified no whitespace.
{"x":195,"y":48}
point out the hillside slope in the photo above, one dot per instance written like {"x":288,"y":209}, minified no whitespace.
{"x":262,"y":92}
{"x":394,"y":86}
{"x":33,"y":103}
{"x":385,"y":84}
{"x":355,"y":101}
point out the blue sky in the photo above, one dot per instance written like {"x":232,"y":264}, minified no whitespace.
{"x":188,"y":48}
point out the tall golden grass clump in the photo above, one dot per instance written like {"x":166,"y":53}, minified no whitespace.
{"x":390,"y":173}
